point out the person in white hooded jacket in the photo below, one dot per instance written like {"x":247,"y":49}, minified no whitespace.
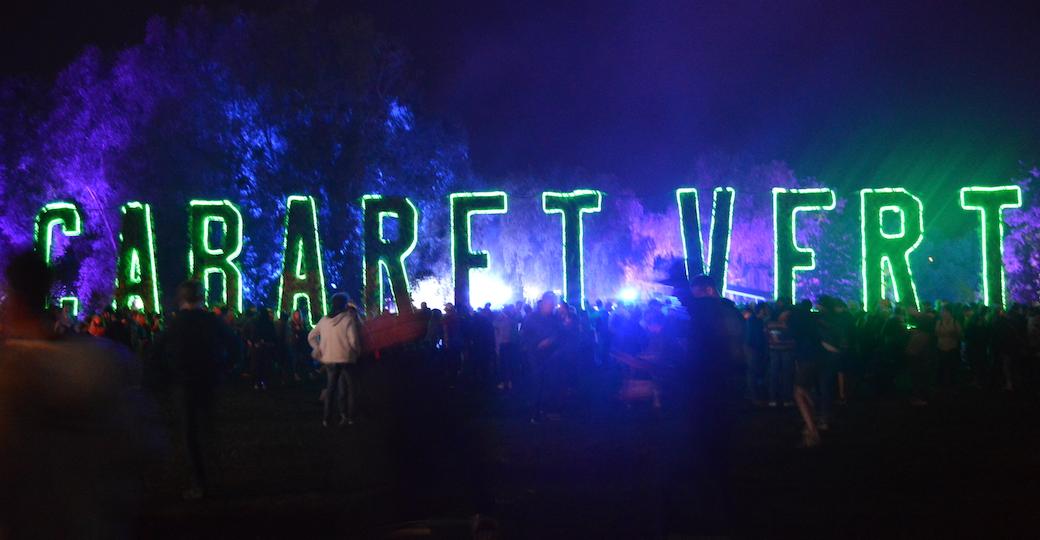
{"x":336,"y":343}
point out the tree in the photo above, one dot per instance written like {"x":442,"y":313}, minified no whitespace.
{"x":244,"y":107}
{"x":1021,"y":256}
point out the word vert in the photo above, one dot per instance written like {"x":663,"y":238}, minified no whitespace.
{"x":216,"y":232}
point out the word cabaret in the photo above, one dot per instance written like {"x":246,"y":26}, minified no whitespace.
{"x":885,"y":253}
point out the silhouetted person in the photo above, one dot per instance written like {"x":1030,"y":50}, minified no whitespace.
{"x":698,"y":492}
{"x":299,"y":348}
{"x":193,"y":352}
{"x":539,"y":334}
{"x":72,"y":435}
{"x":116,"y":327}
{"x":809,"y":357}
{"x":263,"y":347}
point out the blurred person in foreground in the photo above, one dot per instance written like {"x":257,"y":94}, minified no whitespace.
{"x":72,"y":432}
{"x":192,"y":354}
{"x":540,"y":333}
{"x":697,"y":490}
{"x":336,"y":342}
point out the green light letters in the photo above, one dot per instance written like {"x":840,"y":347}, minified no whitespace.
{"x":136,"y":281}
{"x":381,"y":253}
{"x":571,"y":207}
{"x":302,"y":277}
{"x":990,"y":203}
{"x":463,"y":258}
{"x":891,"y":227}
{"x":788,"y":257}
{"x":887,"y":253}
{"x":205,"y":259}
{"x":716,"y":264}
{"x":65,"y":216}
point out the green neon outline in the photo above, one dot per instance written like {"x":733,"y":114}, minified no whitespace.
{"x":706,"y":261}
{"x":70,"y":300}
{"x":51,"y":215}
{"x":149,"y":225}
{"x":546,"y":195}
{"x":881,"y":221}
{"x":380,"y":262}
{"x":795,"y":269}
{"x":135,"y":267}
{"x":299,"y":273}
{"x":289,"y":201}
{"x":230,"y":259}
{"x":711,"y":233}
{"x":491,"y":197}
{"x":679,"y":194}
{"x":60,"y":210}
{"x":983,"y":246}
{"x":885,"y":259}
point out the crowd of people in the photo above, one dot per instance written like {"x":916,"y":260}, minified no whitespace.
{"x":807,"y":356}
{"x":692,"y":355}
{"x":826,"y":352}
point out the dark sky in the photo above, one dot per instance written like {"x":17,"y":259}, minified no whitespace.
{"x":642,"y":89}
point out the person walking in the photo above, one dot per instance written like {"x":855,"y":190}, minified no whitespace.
{"x":336,"y":342}
{"x":809,"y":352}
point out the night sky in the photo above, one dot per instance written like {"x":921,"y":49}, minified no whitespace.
{"x":847,"y":92}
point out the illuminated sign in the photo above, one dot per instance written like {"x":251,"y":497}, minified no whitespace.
{"x":886,"y":254}
{"x":463,"y":258}
{"x":385,"y":254}
{"x":136,"y":281}
{"x":891,"y":227}
{"x":65,"y":217}
{"x":719,"y":232}
{"x":572,"y":207}
{"x":303,"y":277}
{"x":990,"y":203}
{"x":788,"y":257}
{"x":206,"y":260}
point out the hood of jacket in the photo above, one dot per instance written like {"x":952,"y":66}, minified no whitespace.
{"x":342,"y":316}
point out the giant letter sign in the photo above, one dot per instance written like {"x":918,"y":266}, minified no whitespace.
{"x":990,"y":202}
{"x":716,"y":263}
{"x":788,"y":257}
{"x":205,"y":259}
{"x":886,"y":252}
{"x":381,"y":253}
{"x":136,"y":282}
{"x":463,"y":258}
{"x":571,"y":207}
{"x":63,"y":215}
{"x":303,"y":277}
